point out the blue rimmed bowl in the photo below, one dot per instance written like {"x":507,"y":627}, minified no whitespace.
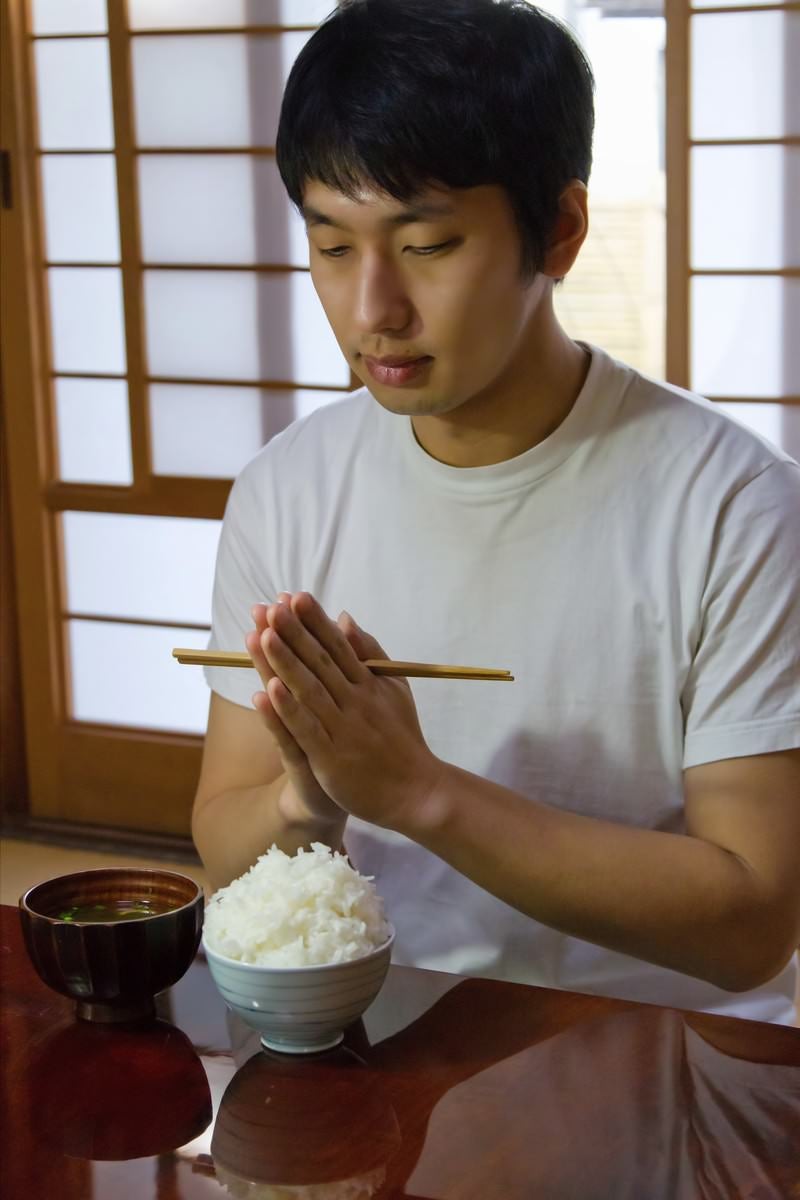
{"x":300,"y":1010}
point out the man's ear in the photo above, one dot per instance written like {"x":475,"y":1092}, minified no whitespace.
{"x":571,"y":228}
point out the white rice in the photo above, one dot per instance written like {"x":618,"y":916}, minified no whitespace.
{"x":361,"y":1187}
{"x":299,"y":911}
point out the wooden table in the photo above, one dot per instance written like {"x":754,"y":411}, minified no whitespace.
{"x":451,"y":1088}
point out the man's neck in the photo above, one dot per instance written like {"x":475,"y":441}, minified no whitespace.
{"x":514,"y":416}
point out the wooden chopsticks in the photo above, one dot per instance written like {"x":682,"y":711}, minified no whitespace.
{"x":379,"y":666}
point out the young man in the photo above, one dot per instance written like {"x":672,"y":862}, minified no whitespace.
{"x":624,"y":818}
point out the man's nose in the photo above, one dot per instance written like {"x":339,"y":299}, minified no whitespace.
{"x":382,"y":300}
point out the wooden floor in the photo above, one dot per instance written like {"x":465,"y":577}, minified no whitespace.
{"x":22,"y":864}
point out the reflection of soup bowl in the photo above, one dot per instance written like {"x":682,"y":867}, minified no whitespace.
{"x":300,"y":1010}
{"x":113,"y":1092}
{"x":112,"y":939}
{"x":324,"y":1126}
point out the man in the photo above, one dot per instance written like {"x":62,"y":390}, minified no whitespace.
{"x":624,"y":818}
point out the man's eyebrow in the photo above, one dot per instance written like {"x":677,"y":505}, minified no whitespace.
{"x":424,"y":211}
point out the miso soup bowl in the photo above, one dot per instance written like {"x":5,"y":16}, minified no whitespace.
{"x":300,"y":1010}
{"x":113,"y":969}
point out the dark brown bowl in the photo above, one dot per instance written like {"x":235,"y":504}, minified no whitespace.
{"x":114,"y":968}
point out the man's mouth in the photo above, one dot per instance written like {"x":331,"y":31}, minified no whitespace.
{"x":396,"y":370}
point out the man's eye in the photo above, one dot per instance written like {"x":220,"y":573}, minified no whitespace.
{"x":431,"y":249}
{"x":333,"y":251}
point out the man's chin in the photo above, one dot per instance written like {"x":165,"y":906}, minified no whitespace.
{"x":411,"y":402}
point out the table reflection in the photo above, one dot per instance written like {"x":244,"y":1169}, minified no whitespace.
{"x":451,"y":1088}
{"x":499,"y":1092}
{"x":111,"y":1093}
{"x":523,"y":1093}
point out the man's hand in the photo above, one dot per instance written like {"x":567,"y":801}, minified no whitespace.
{"x":302,"y":799}
{"x":357,"y":734}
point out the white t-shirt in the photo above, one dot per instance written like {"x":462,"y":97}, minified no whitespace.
{"x":637,"y":571}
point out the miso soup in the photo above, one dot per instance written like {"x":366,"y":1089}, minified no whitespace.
{"x":116,"y":910}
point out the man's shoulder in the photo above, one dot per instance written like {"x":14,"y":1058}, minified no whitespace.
{"x":676,"y":425}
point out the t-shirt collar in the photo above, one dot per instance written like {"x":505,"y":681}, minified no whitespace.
{"x":584,"y":420}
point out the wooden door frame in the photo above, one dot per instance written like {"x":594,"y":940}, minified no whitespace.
{"x":676,"y":120}
{"x":13,"y":772}
{"x":26,"y":427}
{"x":155,"y":773}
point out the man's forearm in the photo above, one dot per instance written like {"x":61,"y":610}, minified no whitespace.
{"x":231,"y":829}
{"x":670,"y":899}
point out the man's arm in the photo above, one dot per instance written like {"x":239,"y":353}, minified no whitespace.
{"x":255,"y":788}
{"x":721,"y":903}
{"x":244,"y":801}
{"x":235,"y":806}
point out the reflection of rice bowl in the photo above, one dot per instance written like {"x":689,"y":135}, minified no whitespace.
{"x":361,"y":1187}
{"x":299,"y":947}
{"x":323,"y":1128}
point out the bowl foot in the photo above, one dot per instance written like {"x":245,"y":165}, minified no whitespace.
{"x":301,"y":1047}
{"x":136,"y":1010}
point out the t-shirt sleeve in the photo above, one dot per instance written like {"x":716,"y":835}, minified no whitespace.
{"x":742,"y":694}
{"x":241,"y":579}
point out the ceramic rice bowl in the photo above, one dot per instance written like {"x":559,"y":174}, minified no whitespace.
{"x":300,"y":1010}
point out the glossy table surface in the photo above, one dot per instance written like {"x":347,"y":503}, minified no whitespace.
{"x":450,"y":1089}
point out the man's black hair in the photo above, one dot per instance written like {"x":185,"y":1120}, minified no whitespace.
{"x":398,"y":95}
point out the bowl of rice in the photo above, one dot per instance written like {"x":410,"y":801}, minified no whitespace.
{"x":298,"y":947}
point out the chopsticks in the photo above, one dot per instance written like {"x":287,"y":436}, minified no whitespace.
{"x":379,"y":666}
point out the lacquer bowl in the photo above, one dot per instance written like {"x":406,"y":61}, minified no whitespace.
{"x":112,"y":968}
{"x":300,"y":1010}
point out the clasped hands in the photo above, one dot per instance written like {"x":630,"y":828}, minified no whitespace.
{"x":345,"y":735}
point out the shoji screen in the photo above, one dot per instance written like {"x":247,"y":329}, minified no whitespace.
{"x":179,"y":331}
{"x":736,"y":293}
